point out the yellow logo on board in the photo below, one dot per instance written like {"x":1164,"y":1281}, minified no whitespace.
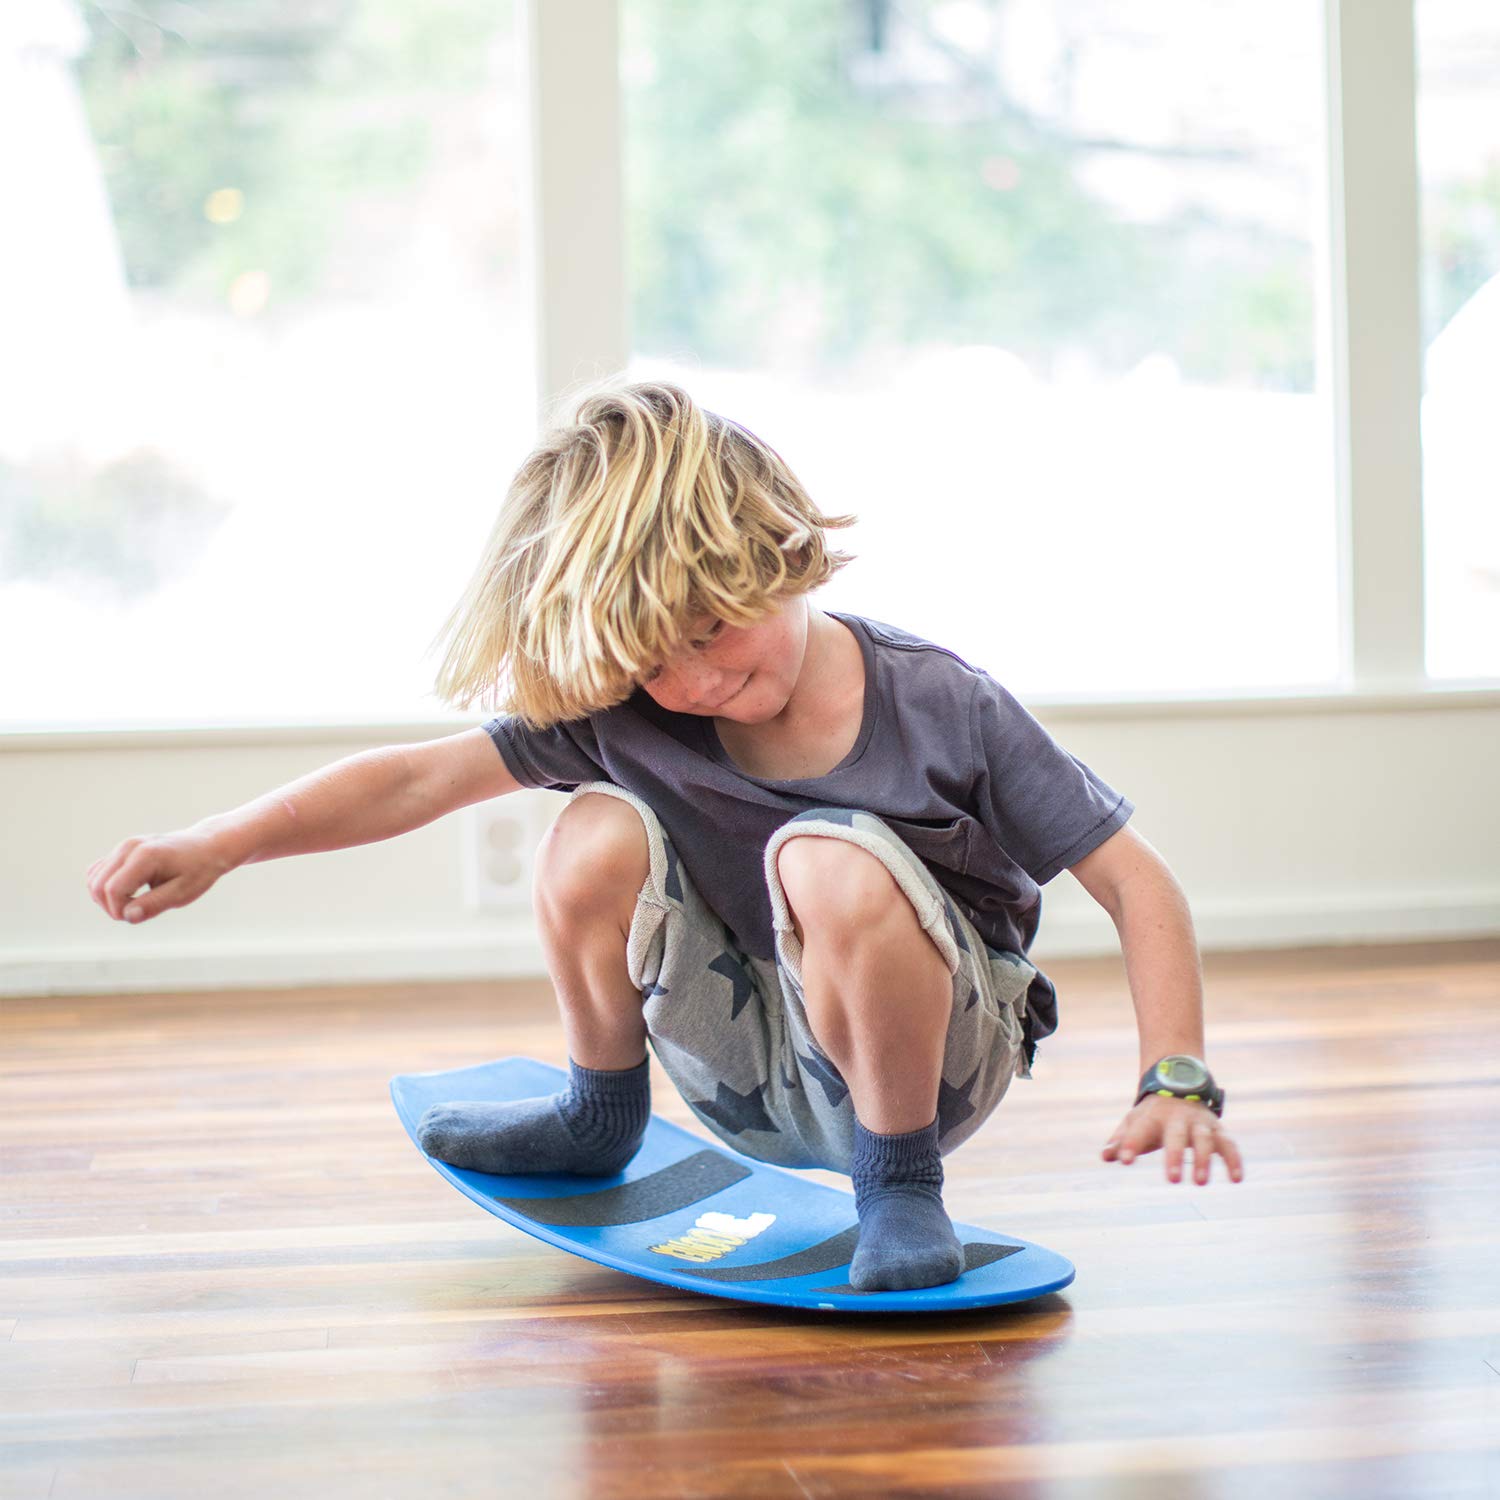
{"x":714,"y":1235}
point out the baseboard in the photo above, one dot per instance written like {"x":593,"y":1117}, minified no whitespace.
{"x":270,"y":964}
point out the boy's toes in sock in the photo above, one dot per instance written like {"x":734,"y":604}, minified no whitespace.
{"x":906,"y":1238}
{"x":593,"y":1127}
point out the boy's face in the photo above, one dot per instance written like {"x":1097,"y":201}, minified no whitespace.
{"x":745,"y":673}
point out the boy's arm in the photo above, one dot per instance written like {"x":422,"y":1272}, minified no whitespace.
{"x":1132,"y":882}
{"x":376,"y":794}
{"x":362,"y":799}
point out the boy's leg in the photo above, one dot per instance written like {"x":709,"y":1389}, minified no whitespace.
{"x":877,"y":991}
{"x":709,"y":1010}
{"x":861,"y":964}
{"x":590,"y":870}
{"x":878,"y":996}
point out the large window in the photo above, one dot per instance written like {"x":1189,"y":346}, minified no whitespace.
{"x":266,"y":364}
{"x":1034,"y":287}
{"x":1031,"y":287}
{"x":1458,"y":158}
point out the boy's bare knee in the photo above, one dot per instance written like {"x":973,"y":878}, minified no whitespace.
{"x":834,"y":884}
{"x":593,"y":858}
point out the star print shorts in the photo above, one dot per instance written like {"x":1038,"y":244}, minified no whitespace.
{"x":731,"y":1030}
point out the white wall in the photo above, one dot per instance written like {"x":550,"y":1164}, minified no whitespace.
{"x":1287,"y":823}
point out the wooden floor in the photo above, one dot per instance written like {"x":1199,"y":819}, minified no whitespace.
{"x":225,"y":1272}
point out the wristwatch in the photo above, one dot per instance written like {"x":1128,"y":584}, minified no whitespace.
{"x":1181,"y":1076}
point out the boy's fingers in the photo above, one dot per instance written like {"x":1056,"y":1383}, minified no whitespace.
{"x":101,"y":892}
{"x":1203,"y":1151}
{"x":120,"y":892}
{"x":137,"y":873}
{"x":159,"y":899}
{"x":114,"y":891}
{"x":1231,"y":1154}
{"x":1175,"y":1140}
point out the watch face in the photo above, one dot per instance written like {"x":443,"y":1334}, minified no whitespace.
{"x":1186,"y":1071}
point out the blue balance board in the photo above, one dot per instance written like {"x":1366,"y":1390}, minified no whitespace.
{"x":706,"y":1219}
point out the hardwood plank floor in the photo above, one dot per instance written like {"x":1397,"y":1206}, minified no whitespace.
{"x":224,"y":1271}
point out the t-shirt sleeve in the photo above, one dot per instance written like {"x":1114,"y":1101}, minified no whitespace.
{"x":559,"y":758}
{"x":1043,"y":806}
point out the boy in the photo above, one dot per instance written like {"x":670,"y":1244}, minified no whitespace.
{"x":803,"y":850}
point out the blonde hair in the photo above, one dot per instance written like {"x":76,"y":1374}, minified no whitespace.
{"x":636,"y":514}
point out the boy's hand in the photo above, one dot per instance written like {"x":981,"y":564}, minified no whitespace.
{"x":1175,"y":1123}
{"x":178,"y":868}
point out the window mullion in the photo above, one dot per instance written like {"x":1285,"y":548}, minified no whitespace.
{"x":1375,"y":337}
{"x":575,"y":242}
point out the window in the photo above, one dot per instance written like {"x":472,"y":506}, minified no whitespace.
{"x":1032,"y":282}
{"x":266,"y":367}
{"x":1458,"y":164}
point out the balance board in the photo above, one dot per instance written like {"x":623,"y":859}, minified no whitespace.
{"x":706,"y":1219}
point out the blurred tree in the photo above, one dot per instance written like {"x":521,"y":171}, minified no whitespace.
{"x":794,"y":198}
{"x":299,"y":116}
{"x":795,"y":201}
{"x":120,"y":528}
{"x":1462,"y":232}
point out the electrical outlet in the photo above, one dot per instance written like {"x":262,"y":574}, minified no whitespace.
{"x":501,"y":840}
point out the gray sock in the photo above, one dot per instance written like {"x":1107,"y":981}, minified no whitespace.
{"x":592,"y":1128}
{"x":906,"y":1238}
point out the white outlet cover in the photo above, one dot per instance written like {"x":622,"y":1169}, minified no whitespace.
{"x":500,"y":839}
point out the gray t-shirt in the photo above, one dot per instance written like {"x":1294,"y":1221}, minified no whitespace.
{"x":986,"y":798}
